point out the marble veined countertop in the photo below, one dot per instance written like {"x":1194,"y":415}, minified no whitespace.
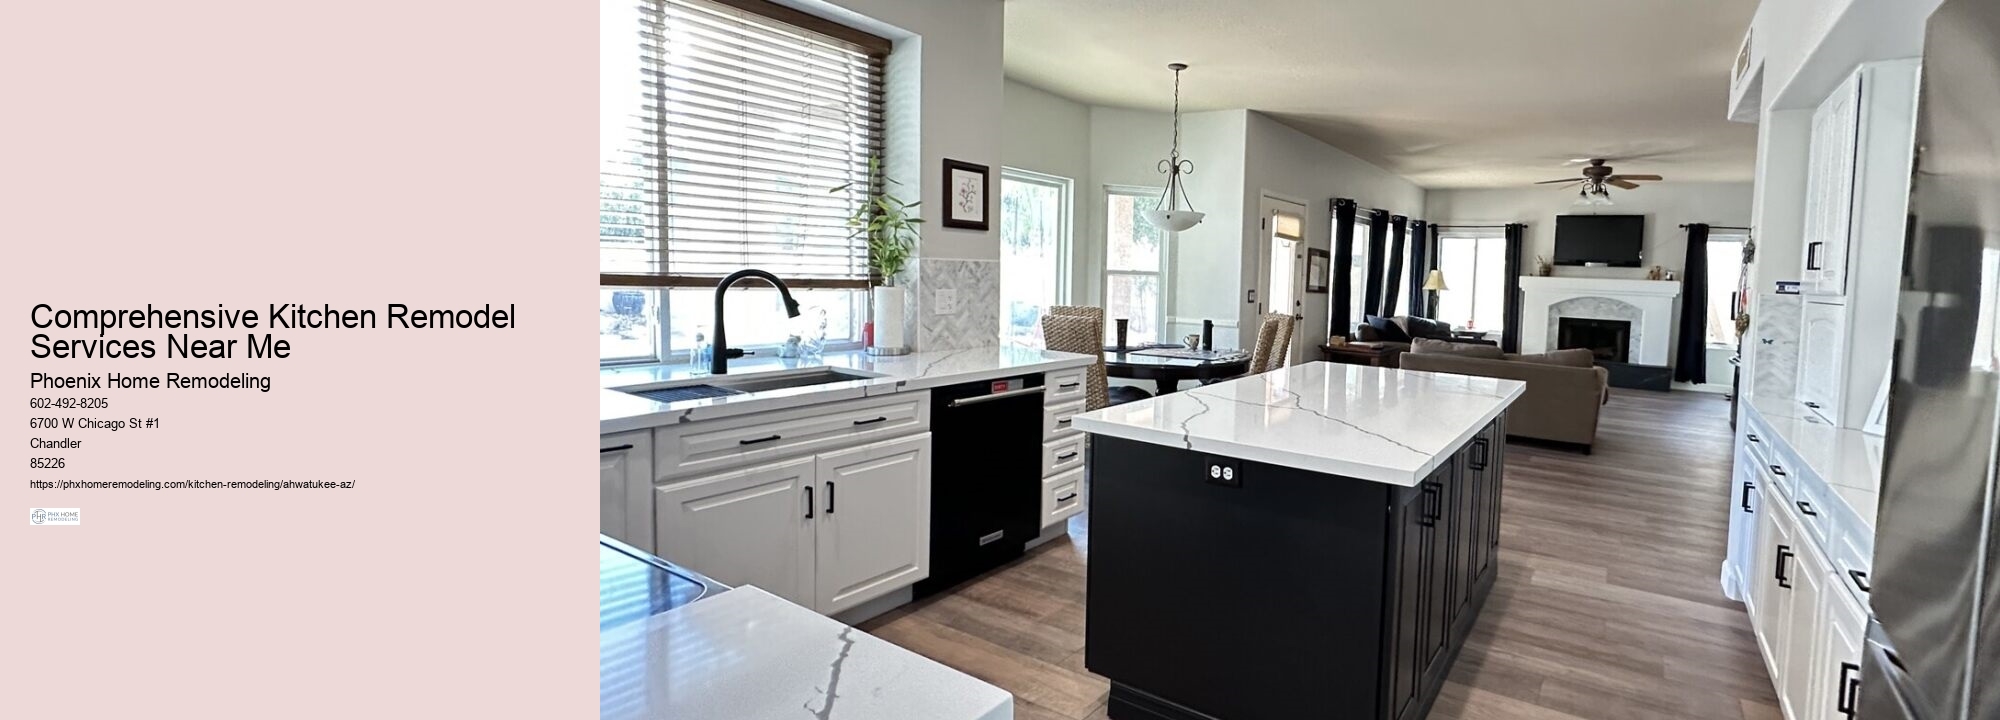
{"x":1385,"y":425}
{"x":746,"y":654}
{"x":1849,"y":461}
{"x":618,"y":412}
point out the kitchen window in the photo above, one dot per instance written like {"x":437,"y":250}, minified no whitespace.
{"x":1135,"y":266}
{"x":1357,"y":278}
{"x":1034,"y":252}
{"x":1475,"y":268}
{"x":1725,"y":272}
{"x":722,"y":134}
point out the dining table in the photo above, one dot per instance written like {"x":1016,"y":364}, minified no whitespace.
{"x":1168,"y":365}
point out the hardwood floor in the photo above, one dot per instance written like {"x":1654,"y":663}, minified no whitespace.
{"x":1607,"y":604}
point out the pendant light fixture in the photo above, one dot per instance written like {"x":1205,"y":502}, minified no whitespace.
{"x":1166,"y":216}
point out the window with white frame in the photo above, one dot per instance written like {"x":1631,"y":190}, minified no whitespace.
{"x":1034,"y":252}
{"x":1725,"y":274}
{"x":1357,"y":277}
{"x":1135,"y":266}
{"x":723,"y":136}
{"x":1475,"y":271}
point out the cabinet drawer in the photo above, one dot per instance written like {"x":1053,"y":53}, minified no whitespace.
{"x":1759,"y":440}
{"x":1809,"y":502}
{"x":1064,"y":385}
{"x":1062,"y":454}
{"x":1055,"y":420}
{"x":702,"y":447}
{"x":1853,"y":559}
{"x":1062,"y":496}
{"x":1780,"y":475}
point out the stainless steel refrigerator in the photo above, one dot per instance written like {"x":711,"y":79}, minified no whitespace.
{"x":1933,"y":651}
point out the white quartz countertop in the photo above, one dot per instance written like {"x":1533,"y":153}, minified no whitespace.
{"x":748,"y":655}
{"x":1849,"y":461}
{"x":1386,"y":425}
{"x":618,"y":412}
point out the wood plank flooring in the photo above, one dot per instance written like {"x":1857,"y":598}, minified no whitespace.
{"x":1607,"y":604}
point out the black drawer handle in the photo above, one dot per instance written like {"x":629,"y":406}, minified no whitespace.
{"x":1753,"y":437}
{"x":755,"y":441}
{"x":1065,"y":456}
{"x":626,"y":446}
{"x":1064,"y":421}
{"x":809,"y":502}
{"x":1066,"y":498}
{"x":1747,"y":487}
{"x":1860,"y":580}
{"x":1784,"y":556}
{"x":884,"y":418}
{"x":1066,"y":386}
{"x":1479,"y":456}
{"x":1806,"y":507}
{"x":1812,"y":405}
{"x":1812,"y":255}
{"x":1848,"y":690}
{"x":1777,"y":470}
{"x":829,"y":497}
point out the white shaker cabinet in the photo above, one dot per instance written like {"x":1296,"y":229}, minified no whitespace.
{"x":1822,"y":360}
{"x":753,"y":526}
{"x":873,"y":525}
{"x":1829,"y":214}
{"x":1810,"y":578}
{"x":624,"y":485}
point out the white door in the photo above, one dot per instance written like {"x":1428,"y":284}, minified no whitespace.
{"x":1839,"y":684}
{"x":874,"y":532}
{"x":1282,"y":260}
{"x":1822,"y":355}
{"x":745,"y":527}
{"x":1810,"y":575}
{"x":624,"y":488}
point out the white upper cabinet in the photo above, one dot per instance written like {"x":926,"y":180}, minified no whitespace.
{"x":1822,"y":360}
{"x":1829,"y":212}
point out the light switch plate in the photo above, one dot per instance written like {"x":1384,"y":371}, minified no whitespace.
{"x":947,"y":301}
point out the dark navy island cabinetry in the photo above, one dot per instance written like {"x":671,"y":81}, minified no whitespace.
{"x":1237,"y":578}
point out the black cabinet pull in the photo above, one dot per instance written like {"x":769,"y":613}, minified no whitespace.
{"x":809,"y":502}
{"x":1784,"y":555}
{"x":829,"y":497}
{"x":1812,"y":255}
{"x":1477,"y":459}
{"x":1066,"y":386}
{"x":1860,"y":580}
{"x":1428,"y":519}
{"x":1777,"y":470}
{"x":1065,"y":456}
{"x":883,"y":418}
{"x":1806,"y":507}
{"x":755,"y":441}
{"x":626,"y":446}
{"x":1066,"y":498}
{"x":1747,"y":487}
{"x":1753,"y":437}
{"x":1064,"y":421}
{"x":1812,"y":405}
{"x":1848,"y":691}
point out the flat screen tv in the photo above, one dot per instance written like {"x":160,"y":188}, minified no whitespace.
{"x":1614,"y":240}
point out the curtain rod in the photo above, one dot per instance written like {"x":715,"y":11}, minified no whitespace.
{"x":1447,"y":225}
{"x":1719,"y":227}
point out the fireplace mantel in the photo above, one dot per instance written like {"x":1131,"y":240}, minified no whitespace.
{"x":1653,"y":300}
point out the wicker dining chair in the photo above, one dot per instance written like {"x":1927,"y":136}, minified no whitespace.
{"x":1274,"y":342}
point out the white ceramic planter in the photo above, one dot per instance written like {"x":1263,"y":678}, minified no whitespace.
{"x":889,"y":307}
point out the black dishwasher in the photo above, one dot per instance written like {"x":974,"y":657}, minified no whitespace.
{"x":986,"y":476}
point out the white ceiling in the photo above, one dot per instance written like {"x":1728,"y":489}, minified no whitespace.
{"x":1448,"y":93}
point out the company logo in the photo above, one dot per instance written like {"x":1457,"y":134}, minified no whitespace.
{"x":55,"y":516}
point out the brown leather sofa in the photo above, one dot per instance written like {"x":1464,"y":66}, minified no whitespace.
{"x":1562,"y":399}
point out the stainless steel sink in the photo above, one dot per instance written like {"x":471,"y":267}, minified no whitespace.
{"x":724,"y":385}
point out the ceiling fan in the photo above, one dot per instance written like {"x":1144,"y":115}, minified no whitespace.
{"x":1596,"y":175}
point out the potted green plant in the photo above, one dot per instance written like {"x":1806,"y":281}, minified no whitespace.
{"x":886,"y":222}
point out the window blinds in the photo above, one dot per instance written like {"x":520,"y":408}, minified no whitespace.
{"x":723,"y":132}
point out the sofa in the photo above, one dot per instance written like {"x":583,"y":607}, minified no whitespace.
{"x":1565,"y":390}
{"x":1398,"y":331}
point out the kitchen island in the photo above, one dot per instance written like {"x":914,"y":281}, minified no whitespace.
{"x":1315,"y":541}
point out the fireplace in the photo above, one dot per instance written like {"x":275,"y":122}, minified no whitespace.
{"x":1608,"y":340}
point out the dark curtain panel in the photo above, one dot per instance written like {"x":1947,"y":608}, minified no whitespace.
{"x":1510,"y":336}
{"x":1691,"y":358}
{"x":1378,"y":241}
{"x":1419,"y":267}
{"x":1392,"y":279}
{"x":1340,"y":319}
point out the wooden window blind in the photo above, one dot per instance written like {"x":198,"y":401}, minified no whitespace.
{"x":725,"y":125}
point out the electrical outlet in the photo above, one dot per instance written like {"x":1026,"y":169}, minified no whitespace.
{"x":1222,"y":471}
{"x":947,"y":301}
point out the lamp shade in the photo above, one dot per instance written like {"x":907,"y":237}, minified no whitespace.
{"x":1435,"y":281}
{"x":1173,"y":220}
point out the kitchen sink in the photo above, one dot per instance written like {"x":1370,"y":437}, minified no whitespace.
{"x":725,"y":385}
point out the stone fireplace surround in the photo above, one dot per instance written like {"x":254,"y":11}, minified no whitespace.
{"x":1647,"y":304}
